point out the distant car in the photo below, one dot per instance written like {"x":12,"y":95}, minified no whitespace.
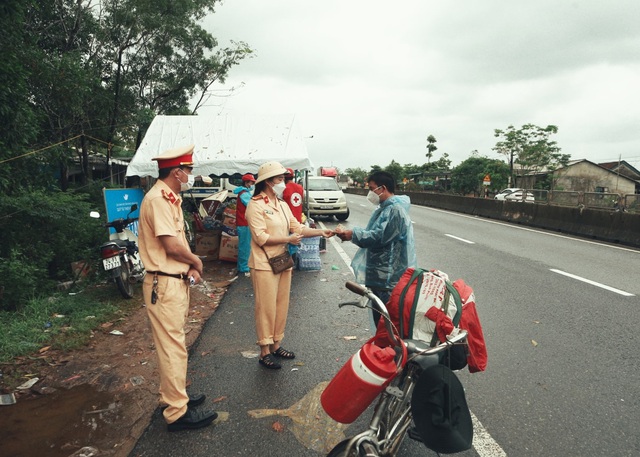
{"x":519,"y":196}
{"x":504,"y":192}
{"x":326,"y":198}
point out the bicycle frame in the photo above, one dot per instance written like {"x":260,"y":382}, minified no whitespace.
{"x":392,"y":417}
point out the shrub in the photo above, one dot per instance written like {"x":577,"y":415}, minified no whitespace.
{"x":43,"y":232}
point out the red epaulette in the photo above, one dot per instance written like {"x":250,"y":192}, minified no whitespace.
{"x":169,"y":196}
{"x":261,"y":196}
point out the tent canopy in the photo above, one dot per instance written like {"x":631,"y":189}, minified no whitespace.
{"x":224,"y":145}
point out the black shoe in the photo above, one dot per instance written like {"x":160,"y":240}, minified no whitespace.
{"x":414,"y":435}
{"x":192,"y":419}
{"x":194,"y":400}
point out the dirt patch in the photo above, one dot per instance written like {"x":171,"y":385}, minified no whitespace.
{"x":101,"y":396}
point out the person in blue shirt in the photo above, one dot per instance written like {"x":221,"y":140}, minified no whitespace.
{"x":244,"y":193}
{"x":387,"y":246}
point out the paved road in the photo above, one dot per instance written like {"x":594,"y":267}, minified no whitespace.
{"x":563,"y":369}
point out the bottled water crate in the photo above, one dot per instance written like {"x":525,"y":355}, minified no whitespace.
{"x":309,"y":254}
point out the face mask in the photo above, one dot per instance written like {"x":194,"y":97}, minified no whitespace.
{"x":279,"y":189}
{"x":184,"y":186}
{"x":373,"y":198}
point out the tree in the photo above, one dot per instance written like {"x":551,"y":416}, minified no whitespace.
{"x":18,"y":116}
{"x":358,"y":175}
{"x":442,"y":164}
{"x":530,"y":149}
{"x":396,"y":170}
{"x":78,"y":75}
{"x":431,"y":147}
{"x":92,"y":75}
{"x":468,"y":176}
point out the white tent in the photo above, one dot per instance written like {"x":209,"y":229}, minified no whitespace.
{"x":225,"y":144}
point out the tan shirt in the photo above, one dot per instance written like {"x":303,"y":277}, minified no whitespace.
{"x":268,"y":218}
{"x":161,"y":214}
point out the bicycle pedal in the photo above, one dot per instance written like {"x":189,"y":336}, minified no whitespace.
{"x":414,"y":435}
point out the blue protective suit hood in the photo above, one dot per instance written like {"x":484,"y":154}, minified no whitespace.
{"x":387,"y":246}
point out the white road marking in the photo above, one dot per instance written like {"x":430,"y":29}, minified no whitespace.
{"x":593,"y":283}
{"x":343,"y":255}
{"x":483,"y":443}
{"x":519,"y":227}
{"x":459,"y":239}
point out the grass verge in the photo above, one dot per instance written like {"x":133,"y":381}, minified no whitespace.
{"x":63,"y":321}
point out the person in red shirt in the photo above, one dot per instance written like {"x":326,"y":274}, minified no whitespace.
{"x":292,"y":195}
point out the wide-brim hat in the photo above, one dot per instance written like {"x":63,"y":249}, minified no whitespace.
{"x":177,"y":157}
{"x":440,"y":411}
{"x":269,"y":170}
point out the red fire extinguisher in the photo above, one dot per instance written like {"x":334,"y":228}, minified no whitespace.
{"x":359,"y":382}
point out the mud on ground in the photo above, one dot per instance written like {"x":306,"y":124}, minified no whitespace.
{"x":98,"y":400}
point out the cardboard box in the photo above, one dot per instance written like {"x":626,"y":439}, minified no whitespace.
{"x":208,"y":245}
{"x":229,"y":221}
{"x":228,"y":248}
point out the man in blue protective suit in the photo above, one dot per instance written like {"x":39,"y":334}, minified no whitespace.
{"x":244,"y":194}
{"x":387,"y":247}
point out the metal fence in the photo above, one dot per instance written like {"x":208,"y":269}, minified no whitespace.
{"x":632,"y":203}
{"x":613,"y":201}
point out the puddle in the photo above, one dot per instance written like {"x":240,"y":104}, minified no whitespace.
{"x":313,"y":428}
{"x":57,"y":424}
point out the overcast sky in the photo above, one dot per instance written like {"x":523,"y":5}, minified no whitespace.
{"x":370,"y":80}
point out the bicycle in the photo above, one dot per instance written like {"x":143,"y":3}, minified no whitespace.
{"x":392,"y":419}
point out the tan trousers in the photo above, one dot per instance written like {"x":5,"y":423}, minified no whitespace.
{"x":272,"y":304}
{"x":167,"y":318}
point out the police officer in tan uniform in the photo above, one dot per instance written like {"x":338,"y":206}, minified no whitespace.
{"x":171,"y":268}
{"x":273,"y":227}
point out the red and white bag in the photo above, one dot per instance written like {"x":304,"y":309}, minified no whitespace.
{"x":426,"y":306}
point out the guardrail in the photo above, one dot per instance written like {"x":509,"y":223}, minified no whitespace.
{"x":561,"y":211}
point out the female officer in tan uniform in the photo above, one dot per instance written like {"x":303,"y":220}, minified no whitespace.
{"x":170,"y":265}
{"x":272,"y":227}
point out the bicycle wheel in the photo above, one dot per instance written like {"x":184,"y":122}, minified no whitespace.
{"x":340,"y":450}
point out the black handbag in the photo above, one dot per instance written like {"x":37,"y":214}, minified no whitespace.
{"x":280,"y":262}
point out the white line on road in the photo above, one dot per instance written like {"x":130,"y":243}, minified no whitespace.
{"x":527,"y":229}
{"x":345,"y":257}
{"x":459,"y":239}
{"x":483,"y":443}
{"x":593,"y":283}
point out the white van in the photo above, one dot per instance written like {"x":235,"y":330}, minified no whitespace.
{"x":326,"y":198}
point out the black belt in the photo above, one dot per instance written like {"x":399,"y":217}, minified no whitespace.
{"x":171,"y":275}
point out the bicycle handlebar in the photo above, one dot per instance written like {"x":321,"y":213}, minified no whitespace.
{"x":378,"y":305}
{"x":382,"y":309}
{"x":356,"y":288}
{"x":414,"y":349}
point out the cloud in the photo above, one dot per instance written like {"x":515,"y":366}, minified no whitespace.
{"x":370,"y":80}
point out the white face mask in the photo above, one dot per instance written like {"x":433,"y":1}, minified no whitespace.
{"x":184,"y":186}
{"x":373,"y":198}
{"x":279,"y":189}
